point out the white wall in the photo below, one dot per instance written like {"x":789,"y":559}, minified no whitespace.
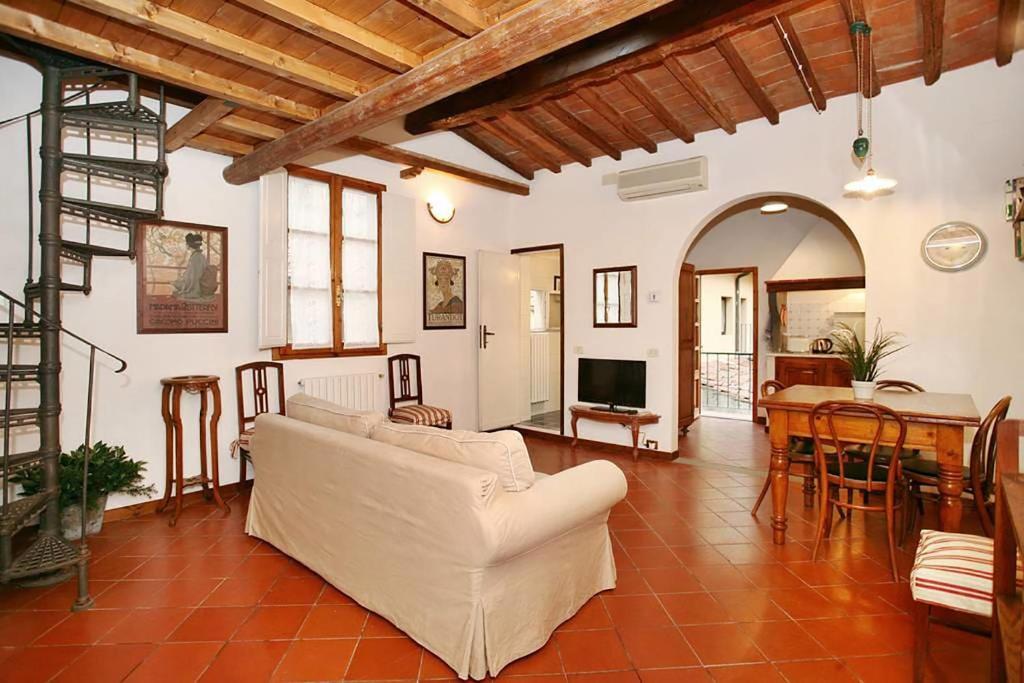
{"x":127,"y":407}
{"x":951,"y":146}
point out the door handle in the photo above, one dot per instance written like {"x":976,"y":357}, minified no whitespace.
{"x":484,"y":334}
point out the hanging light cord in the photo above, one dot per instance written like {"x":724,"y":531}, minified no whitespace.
{"x":799,"y":65}
{"x":863,"y":59}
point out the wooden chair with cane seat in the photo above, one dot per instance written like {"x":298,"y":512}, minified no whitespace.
{"x":801,"y":454}
{"x":978,"y":475}
{"x":254,"y":376}
{"x":414,"y":411}
{"x":838,"y":470}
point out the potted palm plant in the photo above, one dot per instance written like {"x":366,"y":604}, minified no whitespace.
{"x":110,"y":471}
{"x":865,"y":361}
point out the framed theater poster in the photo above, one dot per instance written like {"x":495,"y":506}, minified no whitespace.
{"x":444,"y":292}
{"x":182,"y":278}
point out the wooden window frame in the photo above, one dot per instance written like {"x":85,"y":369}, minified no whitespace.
{"x":337,"y":184}
{"x":633,"y":304}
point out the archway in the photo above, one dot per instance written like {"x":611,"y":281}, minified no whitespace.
{"x":806,"y":244}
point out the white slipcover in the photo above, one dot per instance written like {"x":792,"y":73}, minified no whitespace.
{"x":477,"y":575}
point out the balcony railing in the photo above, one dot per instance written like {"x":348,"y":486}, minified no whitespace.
{"x":726,"y":381}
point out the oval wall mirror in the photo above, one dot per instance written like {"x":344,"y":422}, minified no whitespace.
{"x":953,"y":246}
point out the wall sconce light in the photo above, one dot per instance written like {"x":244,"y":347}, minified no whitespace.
{"x":774,"y":206}
{"x":440,"y":208}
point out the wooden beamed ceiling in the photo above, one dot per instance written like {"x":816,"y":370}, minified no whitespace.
{"x":267,"y":67}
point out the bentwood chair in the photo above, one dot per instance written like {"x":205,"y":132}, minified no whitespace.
{"x":839,"y":471}
{"x":253,"y":377}
{"x":978,"y":475}
{"x":801,"y":454}
{"x":411,"y":395}
{"x":898,"y":385}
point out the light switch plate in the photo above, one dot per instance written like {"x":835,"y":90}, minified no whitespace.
{"x":654,"y":296}
{"x":578,"y":350}
{"x":652,"y":353}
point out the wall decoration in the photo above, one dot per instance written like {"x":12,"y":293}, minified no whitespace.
{"x":557,"y":285}
{"x":182,"y":278}
{"x":1015,"y":213}
{"x":953,"y":246}
{"x":444,"y":291}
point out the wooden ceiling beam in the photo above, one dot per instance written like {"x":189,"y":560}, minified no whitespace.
{"x":645,"y":41}
{"x":700,"y":95}
{"x":539,"y":156}
{"x":560,"y":145}
{"x":457,"y":15}
{"x":800,"y":61}
{"x":569,"y":120}
{"x":166,"y":22}
{"x":411,"y":172}
{"x":490,"y":150}
{"x":542,"y":28}
{"x":616,"y":120}
{"x":855,"y":11}
{"x":217,"y":145}
{"x":1006,"y":30}
{"x":195,"y":122}
{"x":397,"y":155}
{"x":254,"y":129}
{"x":351,"y":37}
{"x":933,"y":17}
{"x":52,"y":34}
{"x":747,"y":80}
{"x":638,"y":89}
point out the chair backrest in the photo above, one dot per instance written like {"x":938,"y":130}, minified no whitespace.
{"x":823,"y":429}
{"x":983,"y":462}
{"x":770,"y":386}
{"x":404,"y":369}
{"x":899,"y":385}
{"x":256,"y":374}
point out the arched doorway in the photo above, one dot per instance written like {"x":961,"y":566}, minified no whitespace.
{"x":745,"y":254}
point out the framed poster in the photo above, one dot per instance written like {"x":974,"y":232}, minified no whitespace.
{"x":182,"y":278}
{"x":444,"y":292}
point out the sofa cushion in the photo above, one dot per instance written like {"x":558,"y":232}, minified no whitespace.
{"x":316,"y":411}
{"x":953,"y":570}
{"x":503,"y":453}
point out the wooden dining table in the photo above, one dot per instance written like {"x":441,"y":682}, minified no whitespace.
{"x":935,"y":423}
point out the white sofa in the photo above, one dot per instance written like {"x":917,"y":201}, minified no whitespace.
{"x":478,"y":575}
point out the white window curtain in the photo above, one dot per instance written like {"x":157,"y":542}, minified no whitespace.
{"x":359,"y":259}
{"x":309,"y":264}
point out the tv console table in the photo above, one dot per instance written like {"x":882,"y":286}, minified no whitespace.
{"x":632,"y":420}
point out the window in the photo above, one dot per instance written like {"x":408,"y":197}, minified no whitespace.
{"x":334,"y":261}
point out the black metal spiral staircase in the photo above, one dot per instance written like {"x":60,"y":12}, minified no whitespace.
{"x":36,"y":322}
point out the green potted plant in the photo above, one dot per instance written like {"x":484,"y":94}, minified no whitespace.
{"x":110,"y":471}
{"x":865,"y":361}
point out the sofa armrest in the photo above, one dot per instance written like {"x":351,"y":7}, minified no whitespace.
{"x":554,"y":506}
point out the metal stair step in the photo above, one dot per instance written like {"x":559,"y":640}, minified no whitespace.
{"x":19,"y":461}
{"x":19,"y":417}
{"x":22,"y":331}
{"x":46,"y":554}
{"x":32,"y":290}
{"x":20,"y":373}
{"x":19,"y":512}
{"x":112,"y":116}
{"x":122,"y":216}
{"x":93,"y":249}
{"x":125,"y":170}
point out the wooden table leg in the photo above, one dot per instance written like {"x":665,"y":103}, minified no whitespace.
{"x":214,"y":455}
{"x":165,"y":411}
{"x":575,"y":435}
{"x":204,"y":477}
{"x":949,"y":448}
{"x":635,"y":428}
{"x":179,"y":464}
{"x":779,"y":437}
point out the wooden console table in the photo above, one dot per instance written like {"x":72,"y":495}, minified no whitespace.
{"x":173,"y":387}
{"x":634,"y":421}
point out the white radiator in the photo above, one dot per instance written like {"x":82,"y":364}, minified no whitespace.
{"x":540,"y":367}
{"x":356,"y":392}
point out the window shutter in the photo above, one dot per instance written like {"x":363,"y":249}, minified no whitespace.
{"x":273,"y":255}
{"x":401,"y":270}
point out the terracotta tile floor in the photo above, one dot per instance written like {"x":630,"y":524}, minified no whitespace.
{"x":702,"y":595}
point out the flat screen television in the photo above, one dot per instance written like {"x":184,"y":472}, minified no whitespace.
{"x":614,"y":383}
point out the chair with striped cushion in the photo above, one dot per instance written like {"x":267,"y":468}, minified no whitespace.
{"x":401,"y":389}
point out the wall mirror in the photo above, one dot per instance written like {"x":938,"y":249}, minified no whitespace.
{"x":953,"y":246}
{"x":615,"y":297}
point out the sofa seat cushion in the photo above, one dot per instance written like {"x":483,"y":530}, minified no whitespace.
{"x":316,"y":411}
{"x":503,"y":453}
{"x":955,"y":571}
{"x":416,"y":414}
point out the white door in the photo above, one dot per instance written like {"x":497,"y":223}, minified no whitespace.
{"x":499,"y":340}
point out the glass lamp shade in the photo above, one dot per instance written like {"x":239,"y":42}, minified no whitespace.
{"x":870,"y":184}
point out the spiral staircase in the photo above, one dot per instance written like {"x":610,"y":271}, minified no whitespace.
{"x":33,"y":325}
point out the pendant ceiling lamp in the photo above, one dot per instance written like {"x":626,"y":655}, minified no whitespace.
{"x":863,"y":147}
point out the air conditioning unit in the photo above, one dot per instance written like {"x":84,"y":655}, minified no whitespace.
{"x":689,"y":175}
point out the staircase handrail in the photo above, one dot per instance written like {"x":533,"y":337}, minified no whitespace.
{"x":48,"y":321}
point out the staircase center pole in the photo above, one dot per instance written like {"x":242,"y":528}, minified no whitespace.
{"x":49,"y":294}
